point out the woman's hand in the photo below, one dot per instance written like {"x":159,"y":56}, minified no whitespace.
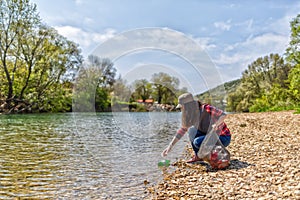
{"x":215,"y":127}
{"x":175,"y":139}
{"x":218,"y":123}
{"x":166,"y":151}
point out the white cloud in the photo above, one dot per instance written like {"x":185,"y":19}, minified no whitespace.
{"x":78,"y":2}
{"x":268,"y":42}
{"x":86,"y":40}
{"x":282,"y":25}
{"x":206,"y":43}
{"x":225,"y":59}
{"x":88,"y":21}
{"x":224,"y":26}
{"x":235,"y":58}
{"x":253,"y":48}
{"x":246,"y":25}
{"x":274,"y":38}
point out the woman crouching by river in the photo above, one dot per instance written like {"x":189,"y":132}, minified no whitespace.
{"x":198,"y":119}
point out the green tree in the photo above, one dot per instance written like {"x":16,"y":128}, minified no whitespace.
{"x":35,"y":60}
{"x":121,"y":92}
{"x":104,"y":69}
{"x":105,"y":74}
{"x":93,"y":85}
{"x":270,"y":83}
{"x":165,"y":87}
{"x":293,"y":50}
{"x":55,"y":64}
{"x":293,"y":56}
{"x":294,"y":79}
{"x":85,"y":87}
{"x":258,"y":81}
{"x":16,"y":18}
{"x":143,"y":89}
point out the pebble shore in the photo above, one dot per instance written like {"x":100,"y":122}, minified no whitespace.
{"x":265,"y":163}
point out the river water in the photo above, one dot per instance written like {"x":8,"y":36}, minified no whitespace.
{"x":84,"y":155}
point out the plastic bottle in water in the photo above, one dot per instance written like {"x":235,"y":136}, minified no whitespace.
{"x":164,"y":163}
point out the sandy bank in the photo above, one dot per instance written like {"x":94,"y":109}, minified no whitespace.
{"x":265,"y":163}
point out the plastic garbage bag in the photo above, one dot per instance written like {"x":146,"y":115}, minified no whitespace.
{"x":213,"y":151}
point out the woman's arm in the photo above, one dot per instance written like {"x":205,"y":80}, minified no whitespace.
{"x":175,"y":139}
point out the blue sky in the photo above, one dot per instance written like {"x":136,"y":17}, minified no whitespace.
{"x":233,"y":33}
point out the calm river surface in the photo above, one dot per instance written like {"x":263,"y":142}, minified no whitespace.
{"x":83,"y":155}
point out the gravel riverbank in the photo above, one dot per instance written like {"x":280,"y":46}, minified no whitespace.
{"x":265,"y":163}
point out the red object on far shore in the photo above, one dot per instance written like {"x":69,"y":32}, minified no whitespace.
{"x":146,"y":101}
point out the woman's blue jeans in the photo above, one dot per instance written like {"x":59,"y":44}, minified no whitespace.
{"x":197,"y":137}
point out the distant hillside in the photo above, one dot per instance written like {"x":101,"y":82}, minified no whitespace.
{"x":218,"y":95}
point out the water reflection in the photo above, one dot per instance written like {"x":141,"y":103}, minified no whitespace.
{"x":30,"y":153}
{"x":76,"y":156}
